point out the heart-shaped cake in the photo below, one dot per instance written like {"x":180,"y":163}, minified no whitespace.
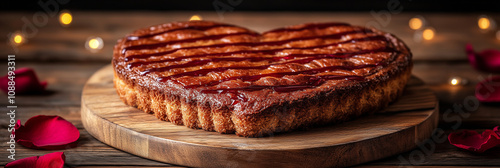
{"x":229,"y":79}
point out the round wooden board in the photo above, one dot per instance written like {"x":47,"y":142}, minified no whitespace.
{"x":394,"y":130}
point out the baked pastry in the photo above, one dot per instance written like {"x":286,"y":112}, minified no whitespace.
{"x":229,"y":79}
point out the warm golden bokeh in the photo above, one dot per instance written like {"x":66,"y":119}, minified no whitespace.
{"x":195,"y":17}
{"x":94,"y":43}
{"x":416,"y":23}
{"x":428,"y":34}
{"x":18,"y":39}
{"x":454,"y":82}
{"x":484,"y":23}
{"x":65,"y":18}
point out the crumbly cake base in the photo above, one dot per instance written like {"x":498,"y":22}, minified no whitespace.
{"x":347,"y":103}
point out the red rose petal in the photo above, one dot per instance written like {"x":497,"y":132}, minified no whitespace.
{"x":488,"y":90}
{"x":25,"y":80}
{"x":46,"y":132}
{"x":23,"y":163}
{"x":486,"y":60}
{"x":473,"y":141}
{"x":51,"y":160}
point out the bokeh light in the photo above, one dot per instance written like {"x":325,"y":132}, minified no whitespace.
{"x":65,"y":18}
{"x":484,"y":22}
{"x":456,"y":80}
{"x":17,"y":38}
{"x":428,"y":34}
{"x":195,"y":17}
{"x":94,"y":44}
{"x":416,"y":22}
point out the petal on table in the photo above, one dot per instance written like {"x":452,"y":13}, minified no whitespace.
{"x":26,"y":82}
{"x":473,"y":141}
{"x":23,"y":163}
{"x":51,"y":160}
{"x":486,"y":60}
{"x":488,"y":90}
{"x":46,"y":132}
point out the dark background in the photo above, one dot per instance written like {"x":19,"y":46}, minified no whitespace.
{"x":460,"y":6}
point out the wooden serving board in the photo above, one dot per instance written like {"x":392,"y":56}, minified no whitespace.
{"x":394,"y":130}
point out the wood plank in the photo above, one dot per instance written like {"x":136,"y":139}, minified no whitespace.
{"x":354,"y":166}
{"x":444,"y":154}
{"x":65,"y":83}
{"x":53,"y":42}
{"x":412,"y":166}
{"x":124,"y":166}
{"x":89,"y":150}
{"x":440,"y":72}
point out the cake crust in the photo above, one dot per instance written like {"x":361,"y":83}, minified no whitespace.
{"x":266,"y":111}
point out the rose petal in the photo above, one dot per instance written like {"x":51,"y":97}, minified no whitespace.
{"x":46,"y":132}
{"x":23,"y":163}
{"x":25,"y":80}
{"x":488,"y":90}
{"x":486,"y":60}
{"x":473,"y":141}
{"x":51,"y":160}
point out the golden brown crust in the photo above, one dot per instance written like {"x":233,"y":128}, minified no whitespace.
{"x":265,"y":112}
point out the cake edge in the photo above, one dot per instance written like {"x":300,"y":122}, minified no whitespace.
{"x":322,"y":109}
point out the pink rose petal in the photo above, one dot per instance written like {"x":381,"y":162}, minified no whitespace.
{"x":23,"y":163}
{"x":46,"y":132}
{"x":488,"y":90}
{"x":25,"y":80}
{"x":486,"y":60}
{"x":473,"y":141}
{"x":51,"y":160}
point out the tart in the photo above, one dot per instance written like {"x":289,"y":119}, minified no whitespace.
{"x":229,"y":79}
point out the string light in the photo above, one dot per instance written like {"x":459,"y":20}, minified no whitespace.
{"x":416,"y":22}
{"x":17,"y":38}
{"x":456,"y":80}
{"x":65,"y":18}
{"x":428,"y":33}
{"x":484,"y":22}
{"x":195,"y":17}
{"x":94,"y":44}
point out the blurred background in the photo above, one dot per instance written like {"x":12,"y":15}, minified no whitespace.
{"x":66,"y":41}
{"x":453,"y":23}
{"x":459,"y":6}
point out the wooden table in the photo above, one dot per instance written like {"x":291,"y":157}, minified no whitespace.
{"x":58,"y":55}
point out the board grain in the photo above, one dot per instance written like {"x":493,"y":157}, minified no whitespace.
{"x":396,"y":129}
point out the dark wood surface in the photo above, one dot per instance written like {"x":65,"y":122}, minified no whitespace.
{"x":58,"y":56}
